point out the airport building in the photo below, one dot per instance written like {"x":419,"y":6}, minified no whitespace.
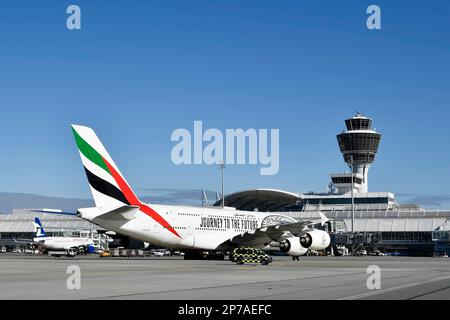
{"x":18,"y":226}
{"x":378,"y":223}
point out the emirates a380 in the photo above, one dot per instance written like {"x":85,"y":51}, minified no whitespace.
{"x":187,"y":228}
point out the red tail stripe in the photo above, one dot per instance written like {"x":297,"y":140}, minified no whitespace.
{"x":133,"y":200}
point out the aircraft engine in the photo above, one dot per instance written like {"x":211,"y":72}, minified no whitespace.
{"x":315,"y":240}
{"x":292,"y":247}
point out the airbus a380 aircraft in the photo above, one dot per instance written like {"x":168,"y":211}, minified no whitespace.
{"x":182,"y":227}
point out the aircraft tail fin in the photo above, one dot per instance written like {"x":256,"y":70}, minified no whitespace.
{"x":39,"y":229}
{"x":323,"y":218}
{"x":108,"y":186}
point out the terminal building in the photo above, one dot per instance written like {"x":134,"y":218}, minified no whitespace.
{"x":379,"y":222}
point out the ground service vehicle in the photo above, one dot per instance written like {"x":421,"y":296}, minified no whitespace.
{"x":59,"y":253}
{"x":250,"y":255}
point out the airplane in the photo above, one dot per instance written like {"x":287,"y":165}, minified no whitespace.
{"x":187,"y":228}
{"x":58,"y":243}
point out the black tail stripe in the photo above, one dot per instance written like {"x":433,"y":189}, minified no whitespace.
{"x":105,"y":187}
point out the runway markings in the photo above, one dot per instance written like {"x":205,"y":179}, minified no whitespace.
{"x":405,"y":286}
{"x":428,"y":293}
{"x":234,"y":285}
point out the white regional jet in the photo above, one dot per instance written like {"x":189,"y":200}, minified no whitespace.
{"x":183,"y":227}
{"x":58,"y":243}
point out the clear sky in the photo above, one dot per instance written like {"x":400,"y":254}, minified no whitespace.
{"x":140,"y":69}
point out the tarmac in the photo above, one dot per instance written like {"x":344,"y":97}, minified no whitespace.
{"x":316,"y":278}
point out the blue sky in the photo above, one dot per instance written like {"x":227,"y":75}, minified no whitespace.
{"x":137,"y":71}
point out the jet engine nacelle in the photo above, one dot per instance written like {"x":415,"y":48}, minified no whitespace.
{"x":315,"y":240}
{"x":292,"y":247}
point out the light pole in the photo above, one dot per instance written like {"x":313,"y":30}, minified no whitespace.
{"x":353,"y":199}
{"x":222,"y":167}
{"x":204,"y":198}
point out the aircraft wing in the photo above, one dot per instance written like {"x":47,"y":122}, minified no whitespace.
{"x":276,"y":232}
{"x":62,"y":229}
{"x":24,"y":241}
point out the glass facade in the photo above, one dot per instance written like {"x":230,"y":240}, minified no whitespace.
{"x":441,"y":236}
{"x":367,"y":157}
{"x":331,"y":201}
{"x":346,"y":180}
{"x":362,"y":142}
{"x":406,"y":236}
{"x":358,"y":124}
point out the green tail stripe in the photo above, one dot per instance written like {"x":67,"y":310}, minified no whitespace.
{"x":89,"y":152}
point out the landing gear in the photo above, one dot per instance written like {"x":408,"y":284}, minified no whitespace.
{"x":295,"y":258}
{"x":204,"y":255}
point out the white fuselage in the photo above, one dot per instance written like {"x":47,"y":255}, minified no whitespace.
{"x":62,"y":243}
{"x":202,"y":228}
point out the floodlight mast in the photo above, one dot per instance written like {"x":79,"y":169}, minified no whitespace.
{"x":353,"y":196}
{"x":222,"y":168}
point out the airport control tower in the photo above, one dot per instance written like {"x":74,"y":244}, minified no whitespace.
{"x":359,"y":145}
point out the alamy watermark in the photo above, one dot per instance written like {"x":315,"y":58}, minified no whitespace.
{"x":73,"y":281}
{"x":73,"y":21}
{"x":374,"y":20}
{"x":234,"y":146}
{"x":374,"y":280}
